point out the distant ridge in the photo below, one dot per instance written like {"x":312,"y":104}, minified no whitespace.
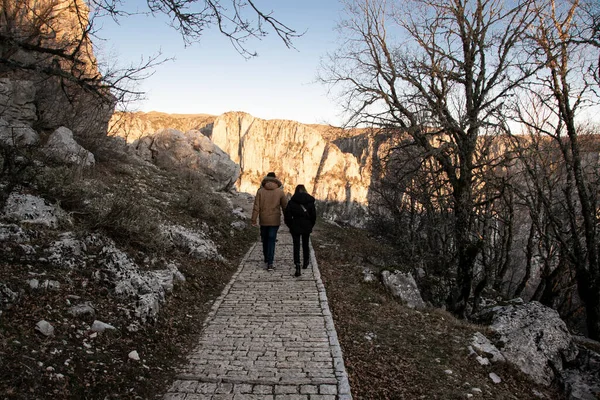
{"x":133,"y":125}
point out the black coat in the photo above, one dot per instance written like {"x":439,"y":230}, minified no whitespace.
{"x":296,"y":218}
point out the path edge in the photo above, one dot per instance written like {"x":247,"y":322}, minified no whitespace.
{"x":344,"y":392}
{"x":227,"y":288}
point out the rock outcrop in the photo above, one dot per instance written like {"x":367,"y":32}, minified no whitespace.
{"x":63,"y":148}
{"x":404,"y":287}
{"x":192,"y":150}
{"x":533,"y":338}
{"x":17,"y":98}
{"x":53,"y":78}
{"x":17,"y":134}
{"x":133,"y":126}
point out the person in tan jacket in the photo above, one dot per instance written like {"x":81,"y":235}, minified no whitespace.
{"x":269,"y":202}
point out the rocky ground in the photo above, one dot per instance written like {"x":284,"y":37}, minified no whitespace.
{"x":106,"y":275}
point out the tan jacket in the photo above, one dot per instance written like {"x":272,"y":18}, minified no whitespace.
{"x":268,"y":203}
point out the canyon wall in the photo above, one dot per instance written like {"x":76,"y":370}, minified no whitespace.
{"x":298,"y":154}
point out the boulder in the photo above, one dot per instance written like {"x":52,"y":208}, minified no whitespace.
{"x":18,"y":100}
{"x":172,"y":149}
{"x":17,"y":134}
{"x":63,"y":148}
{"x":403,"y":286}
{"x":26,"y":208}
{"x":534,"y":338}
{"x":582,"y":381}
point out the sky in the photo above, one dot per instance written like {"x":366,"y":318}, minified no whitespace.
{"x":211,"y":77}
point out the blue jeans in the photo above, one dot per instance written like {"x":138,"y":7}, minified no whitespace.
{"x":268,"y":235}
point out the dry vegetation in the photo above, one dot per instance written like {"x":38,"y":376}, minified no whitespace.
{"x":125,"y":201}
{"x":391,"y":351}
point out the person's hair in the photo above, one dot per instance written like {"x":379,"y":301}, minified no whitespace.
{"x":271,"y":175}
{"x":300,"y":189}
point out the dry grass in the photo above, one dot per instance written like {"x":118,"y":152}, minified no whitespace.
{"x":409,"y":350}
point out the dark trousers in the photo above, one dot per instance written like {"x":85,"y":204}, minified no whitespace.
{"x":268,"y":236}
{"x":305,"y":249}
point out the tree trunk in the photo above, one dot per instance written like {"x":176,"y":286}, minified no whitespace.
{"x":529,"y":256}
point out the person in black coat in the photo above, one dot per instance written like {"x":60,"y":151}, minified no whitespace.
{"x":300,"y":216}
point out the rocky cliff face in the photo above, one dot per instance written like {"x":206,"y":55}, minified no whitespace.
{"x":298,"y":154}
{"x":335,"y":168}
{"x":46,"y":50}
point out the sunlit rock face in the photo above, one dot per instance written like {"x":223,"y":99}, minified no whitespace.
{"x":132,"y":126}
{"x":297,"y":153}
{"x":334,"y":165}
{"x":56,"y":88}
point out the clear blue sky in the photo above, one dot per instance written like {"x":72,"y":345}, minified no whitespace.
{"x":211,"y":77}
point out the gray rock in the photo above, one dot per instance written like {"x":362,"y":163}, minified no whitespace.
{"x":30,"y":209}
{"x":239,"y":213}
{"x":33,"y":283}
{"x":368,"y":275}
{"x":194,"y":242}
{"x":50,"y":285}
{"x":7,"y":296}
{"x":133,"y":355}
{"x":148,"y":288}
{"x":17,"y":98}
{"x":62,"y":147}
{"x":17,"y":134}
{"x":238,"y":225}
{"x":82,"y":309}
{"x":495,"y":378}
{"x":45,"y":328}
{"x":534,"y":338}
{"x":403,"y":286}
{"x":99,"y":326}
{"x":67,"y":252}
{"x":482,"y":360}
{"x":582,"y":381}
{"x":484,"y":347}
{"x":12,"y":233}
{"x":147,"y":307}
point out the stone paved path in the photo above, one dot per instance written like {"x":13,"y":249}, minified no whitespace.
{"x":268,"y":336}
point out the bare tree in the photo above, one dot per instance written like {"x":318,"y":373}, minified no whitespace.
{"x":563,"y":39}
{"x":439,"y":71}
{"x":238,"y":20}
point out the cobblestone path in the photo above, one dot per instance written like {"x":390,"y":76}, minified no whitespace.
{"x":269,"y":336}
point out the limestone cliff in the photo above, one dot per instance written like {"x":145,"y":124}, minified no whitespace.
{"x":335,"y":165}
{"x":297,"y":153}
{"x":46,"y":48}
